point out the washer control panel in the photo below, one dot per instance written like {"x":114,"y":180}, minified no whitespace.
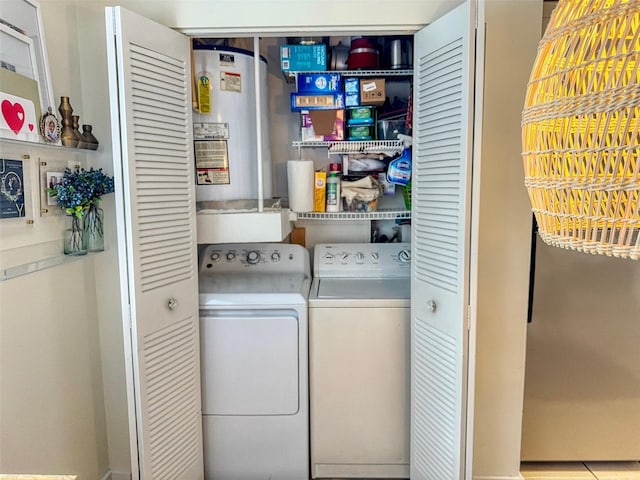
{"x":371,"y":260}
{"x":255,"y":257}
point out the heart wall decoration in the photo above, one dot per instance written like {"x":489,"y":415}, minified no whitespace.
{"x":18,"y":118}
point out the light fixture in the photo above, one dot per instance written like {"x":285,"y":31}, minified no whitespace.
{"x":581,"y":128}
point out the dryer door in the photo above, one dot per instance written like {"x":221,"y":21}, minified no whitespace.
{"x":249,"y":362}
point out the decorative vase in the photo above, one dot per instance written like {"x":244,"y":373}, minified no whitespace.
{"x":90,"y":141}
{"x":74,"y":236}
{"x":67,"y":137}
{"x":75,"y":122}
{"x":94,"y":228}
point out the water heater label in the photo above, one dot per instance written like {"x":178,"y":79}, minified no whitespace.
{"x":212,"y":162}
{"x":230,"y":82}
{"x":227,"y":59}
{"x":210,"y":131}
{"x":204,"y":94}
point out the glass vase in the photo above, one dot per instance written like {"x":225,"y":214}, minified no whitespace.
{"x":74,"y":236}
{"x":94,"y":228}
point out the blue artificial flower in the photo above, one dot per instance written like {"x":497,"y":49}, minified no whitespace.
{"x":78,"y":189}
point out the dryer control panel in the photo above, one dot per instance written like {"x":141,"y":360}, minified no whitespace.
{"x":254,"y":257}
{"x":369,"y":260}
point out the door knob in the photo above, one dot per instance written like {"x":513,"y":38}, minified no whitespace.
{"x":431,"y":306}
{"x":172,"y":304}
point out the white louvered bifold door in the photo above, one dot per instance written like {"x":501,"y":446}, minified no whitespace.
{"x":151,"y":110}
{"x":441,"y":180}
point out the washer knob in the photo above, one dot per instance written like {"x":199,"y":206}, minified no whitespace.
{"x":404,"y":256}
{"x":231,"y":256}
{"x":375,"y":255}
{"x":215,"y":257}
{"x":345,"y":256}
{"x":328,"y":256}
{"x":360,"y":256}
{"x":253,"y":257}
{"x":275,"y":257}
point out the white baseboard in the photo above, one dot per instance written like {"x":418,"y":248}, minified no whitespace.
{"x":517,"y":477}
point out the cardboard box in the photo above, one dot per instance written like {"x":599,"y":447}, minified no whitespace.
{"x":372,"y":91}
{"x":322,"y":125}
{"x":319,"y":191}
{"x":319,"y":83}
{"x":328,"y":101}
{"x":303,"y":57}
{"x":351,"y":92}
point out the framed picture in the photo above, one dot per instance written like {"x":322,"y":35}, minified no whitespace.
{"x":51,"y":172}
{"x":50,"y":128}
{"x":21,"y":26}
{"x":12,"y":188}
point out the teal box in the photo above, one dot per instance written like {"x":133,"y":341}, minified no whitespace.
{"x":299,"y":58}
{"x":351,"y":92}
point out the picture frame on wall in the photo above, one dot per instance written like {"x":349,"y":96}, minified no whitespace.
{"x":51,"y":172}
{"x":13,"y":189}
{"x":21,"y":24}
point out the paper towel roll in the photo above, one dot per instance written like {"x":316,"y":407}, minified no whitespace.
{"x":300,"y":184}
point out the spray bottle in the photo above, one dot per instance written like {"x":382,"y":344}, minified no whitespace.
{"x":399,"y":171}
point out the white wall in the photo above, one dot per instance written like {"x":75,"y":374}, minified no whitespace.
{"x":52,"y":414}
{"x":52,"y":403}
{"x":512,"y":33}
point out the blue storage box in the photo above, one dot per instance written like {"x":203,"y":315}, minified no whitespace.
{"x":318,"y":101}
{"x":303,"y":57}
{"x":319,"y":83}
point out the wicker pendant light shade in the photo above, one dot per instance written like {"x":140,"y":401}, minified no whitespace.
{"x":580,"y":128}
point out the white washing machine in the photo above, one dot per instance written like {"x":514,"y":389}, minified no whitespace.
{"x":254,"y":361}
{"x":359,"y":360}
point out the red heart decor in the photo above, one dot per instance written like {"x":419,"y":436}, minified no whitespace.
{"x":13,"y":114}
{"x":30,"y":127}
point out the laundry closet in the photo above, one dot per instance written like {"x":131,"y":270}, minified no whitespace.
{"x":445,"y":79}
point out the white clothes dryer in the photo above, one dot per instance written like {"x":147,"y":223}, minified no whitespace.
{"x":359,"y":360}
{"x":254,"y":361}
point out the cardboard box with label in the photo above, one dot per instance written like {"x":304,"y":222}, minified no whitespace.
{"x":372,"y":91}
{"x":328,"y":101}
{"x":319,"y":83}
{"x":322,"y":125}
{"x":319,"y":191}
{"x":303,"y":57}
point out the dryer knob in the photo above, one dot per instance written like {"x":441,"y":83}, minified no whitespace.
{"x":231,"y":256}
{"x":215,"y":257}
{"x":253,"y":257}
{"x":275,"y":257}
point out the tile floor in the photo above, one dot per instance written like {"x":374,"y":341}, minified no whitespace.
{"x":581,"y":471}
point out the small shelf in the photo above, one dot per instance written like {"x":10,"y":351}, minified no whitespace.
{"x":377,"y":215}
{"x":32,"y":267}
{"x":369,"y":146}
{"x":291,"y":76}
{"x":25,"y":144}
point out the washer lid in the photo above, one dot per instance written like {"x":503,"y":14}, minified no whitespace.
{"x":367,"y":288}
